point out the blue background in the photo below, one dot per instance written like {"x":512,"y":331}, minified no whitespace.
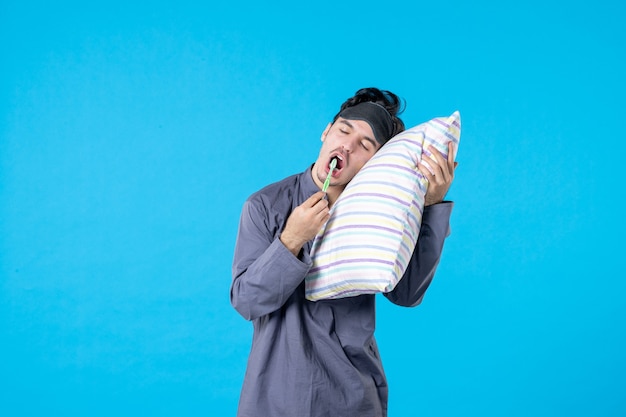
{"x":130,"y":135}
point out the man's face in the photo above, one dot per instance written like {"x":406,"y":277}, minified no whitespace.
{"x":352,"y":142}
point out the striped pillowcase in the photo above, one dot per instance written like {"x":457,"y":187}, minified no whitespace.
{"x":367,"y":243}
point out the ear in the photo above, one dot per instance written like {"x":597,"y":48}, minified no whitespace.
{"x":326,"y":131}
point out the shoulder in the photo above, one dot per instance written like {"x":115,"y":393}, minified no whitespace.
{"x":274,"y":191}
{"x":275,"y":200}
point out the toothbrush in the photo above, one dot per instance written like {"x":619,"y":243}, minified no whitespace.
{"x":333,"y":164}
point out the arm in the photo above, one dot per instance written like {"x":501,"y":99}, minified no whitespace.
{"x":410,"y":290}
{"x":268,"y":266}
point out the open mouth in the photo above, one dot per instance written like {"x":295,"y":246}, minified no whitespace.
{"x":338,"y":166}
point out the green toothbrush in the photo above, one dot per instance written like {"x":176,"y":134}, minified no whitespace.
{"x":333,"y":164}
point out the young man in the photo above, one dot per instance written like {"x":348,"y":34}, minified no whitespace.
{"x":315,"y":359}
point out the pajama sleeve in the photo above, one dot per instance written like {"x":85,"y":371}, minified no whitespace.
{"x":265,"y":273}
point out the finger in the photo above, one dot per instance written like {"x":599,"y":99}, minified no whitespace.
{"x":438,"y":167}
{"x":440,"y":164}
{"x":320,"y":206}
{"x":435,"y":155}
{"x":314,"y":199}
{"x":425,"y":172}
{"x":323,"y":216}
{"x":450,"y":153}
{"x":451,"y":162}
{"x":445,"y":167}
{"x":320,"y":217}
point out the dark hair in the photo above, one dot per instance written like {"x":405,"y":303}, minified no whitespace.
{"x":394,"y":104}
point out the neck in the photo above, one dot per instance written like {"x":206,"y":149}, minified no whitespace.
{"x":332,"y":195}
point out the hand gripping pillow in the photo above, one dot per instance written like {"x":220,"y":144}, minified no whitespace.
{"x":369,"y":239}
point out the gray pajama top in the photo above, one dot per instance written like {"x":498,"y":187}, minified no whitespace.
{"x":313,"y":359}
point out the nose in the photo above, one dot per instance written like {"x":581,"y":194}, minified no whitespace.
{"x":350,"y":144}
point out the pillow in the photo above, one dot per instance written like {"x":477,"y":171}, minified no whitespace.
{"x":369,"y":239}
